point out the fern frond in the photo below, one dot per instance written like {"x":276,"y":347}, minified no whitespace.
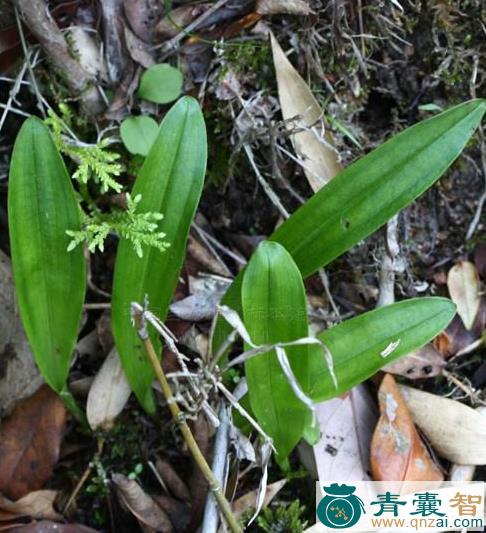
{"x":95,"y":160}
{"x":139,"y":228}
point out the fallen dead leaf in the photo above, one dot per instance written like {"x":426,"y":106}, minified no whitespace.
{"x":282,"y":7}
{"x":205,"y":258}
{"x":249,"y":500}
{"x":29,"y":443}
{"x":464,"y":288}
{"x":172,"y":480}
{"x":480,"y":259}
{"x":141,"y":505}
{"x":19,"y":375}
{"x":426,"y":362}
{"x":178,"y":18}
{"x":38,"y":504}
{"x":202,"y":303}
{"x":397,"y":452}
{"x":314,"y":144}
{"x":346,"y":424}
{"x":457,"y":432}
{"x":455,"y":338}
{"x":108,"y":394}
{"x":465,"y":472}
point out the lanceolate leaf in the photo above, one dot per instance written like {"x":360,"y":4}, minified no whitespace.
{"x":170,"y":183}
{"x":366,"y":194}
{"x":50,"y":281}
{"x":274,"y":310}
{"x":362,"y":345}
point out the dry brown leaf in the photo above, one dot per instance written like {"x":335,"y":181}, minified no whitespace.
{"x":282,"y":7}
{"x":198,"y":252}
{"x":397,"y":452}
{"x":457,"y":432}
{"x":464,"y":288}
{"x":19,"y":376}
{"x":178,"y":18}
{"x":248,"y":500}
{"x":172,"y":480}
{"x":29,"y":443}
{"x":426,"y":362}
{"x":346,"y":425}
{"x":455,"y":338}
{"x":480,"y":259}
{"x":38,"y":504}
{"x":313,"y":145}
{"x":138,"y":49}
{"x":108,"y":394}
{"x":141,"y":505}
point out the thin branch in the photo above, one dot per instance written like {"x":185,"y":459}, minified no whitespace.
{"x":138,"y":314}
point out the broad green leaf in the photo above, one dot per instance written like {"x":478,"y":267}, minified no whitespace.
{"x":160,"y":84}
{"x":138,"y":134}
{"x":362,"y":345}
{"x":170,"y":183}
{"x":369,"y":192}
{"x":50,"y":281}
{"x":274,"y":310}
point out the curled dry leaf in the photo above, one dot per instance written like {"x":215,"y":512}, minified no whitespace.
{"x":172,"y":480}
{"x":108,"y":394}
{"x":397,"y":452}
{"x":426,"y":362}
{"x":249,"y":500}
{"x":455,"y":338}
{"x":346,"y":424}
{"x":457,"y":432}
{"x":464,"y":287}
{"x":313,"y":144}
{"x":38,"y":504}
{"x":141,"y":505}
{"x":281,"y":7}
{"x":19,"y":376}
{"x":29,"y":443}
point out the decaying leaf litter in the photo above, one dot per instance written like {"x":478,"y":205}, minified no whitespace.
{"x":357,"y":74}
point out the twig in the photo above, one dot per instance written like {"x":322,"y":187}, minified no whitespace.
{"x":211,"y":516}
{"x":138,"y":313}
{"x":84,"y":477}
{"x":482,"y":200}
{"x":266,"y":187}
{"x":388,"y":265}
{"x":171,"y":45}
{"x":13,"y":91}
{"x":40,"y":22}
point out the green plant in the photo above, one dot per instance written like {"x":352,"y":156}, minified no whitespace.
{"x":138,"y":134}
{"x":160,"y":84}
{"x":170,"y":182}
{"x":138,"y":228}
{"x":94,"y":160}
{"x":41,"y":206}
{"x":269,"y":294}
{"x":283,"y":519}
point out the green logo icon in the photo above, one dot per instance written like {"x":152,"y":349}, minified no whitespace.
{"x":340,"y":508}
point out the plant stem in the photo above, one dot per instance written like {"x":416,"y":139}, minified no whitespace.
{"x":69,"y":401}
{"x":178,"y":416}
